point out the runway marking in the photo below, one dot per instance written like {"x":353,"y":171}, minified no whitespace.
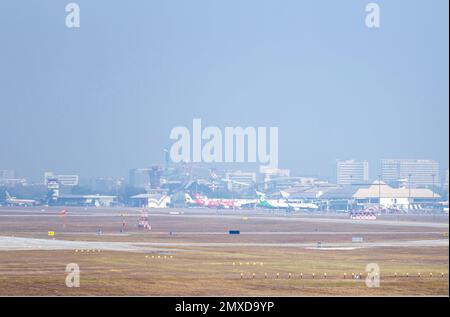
{"x":226,"y":233}
{"x":14,"y":243}
{"x":289,"y":218}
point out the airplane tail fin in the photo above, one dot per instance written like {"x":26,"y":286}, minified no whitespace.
{"x":261,"y":196}
{"x":284,"y":194}
{"x":188,"y":198}
{"x":200,"y":198}
{"x":8,"y":196}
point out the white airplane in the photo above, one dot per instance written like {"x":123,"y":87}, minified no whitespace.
{"x":13,"y":201}
{"x":284,"y":203}
{"x":298,"y":204}
{"x":271,"y":203}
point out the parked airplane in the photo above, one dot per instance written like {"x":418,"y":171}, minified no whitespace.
{"x":298,"y":205}
{"x":271,"y":203}
{"x":200,"y":201}
{"x":284,"y":203}
{"x":204,"y":201}
{"x":13,"y":201}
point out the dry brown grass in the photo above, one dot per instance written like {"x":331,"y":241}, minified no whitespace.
{"x":208,"y":271}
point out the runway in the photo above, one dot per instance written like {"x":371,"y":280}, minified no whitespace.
{"x":313,"y":233}
{"x":17,"y":244}
{"x":30,"y":244}
{"x":208,"y":214}
{"x":377,"y":222}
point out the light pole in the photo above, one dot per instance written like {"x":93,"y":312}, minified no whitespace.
{"x":409,"y":193}
{"x":433,"y":176}
{"x":379,"y":193}
{"x":351,"y":188}
{"x":432,"y":190}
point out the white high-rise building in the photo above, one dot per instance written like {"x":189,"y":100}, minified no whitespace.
{"x":420,"y":173}
{"x":238,"y":180}
{"x":352,"y":172}
{"x":7,"y":174}
{"x":65,"y":180}
{"x":277,"y":178}
{"x":446,"y":179}
{"x":8,"y":178}
{"x":140,"y":177}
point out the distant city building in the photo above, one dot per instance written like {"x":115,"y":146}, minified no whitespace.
{"x":106,"y":184}
{"x":446,"y":180}
{"x":8,"y":178}
{"x":68,"y":180}
{"x":308,"y":181}
{"x":139,"y":177}
{"x":48,"y":176}
{"x":64,"y":180}
{"x":276,"y":178}
{"x":52,"y":189}
{"x":7,"y":174}
{"x":352,"y":172}
{"x":274,"y":172}
{"x":420,"y":173}
{"x":155,"y":177}
{"x":238,"y":180}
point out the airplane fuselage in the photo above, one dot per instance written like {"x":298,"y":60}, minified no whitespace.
{"x":21,"y":202}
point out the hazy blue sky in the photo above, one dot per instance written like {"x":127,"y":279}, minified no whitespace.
{"x":103,"y":98}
